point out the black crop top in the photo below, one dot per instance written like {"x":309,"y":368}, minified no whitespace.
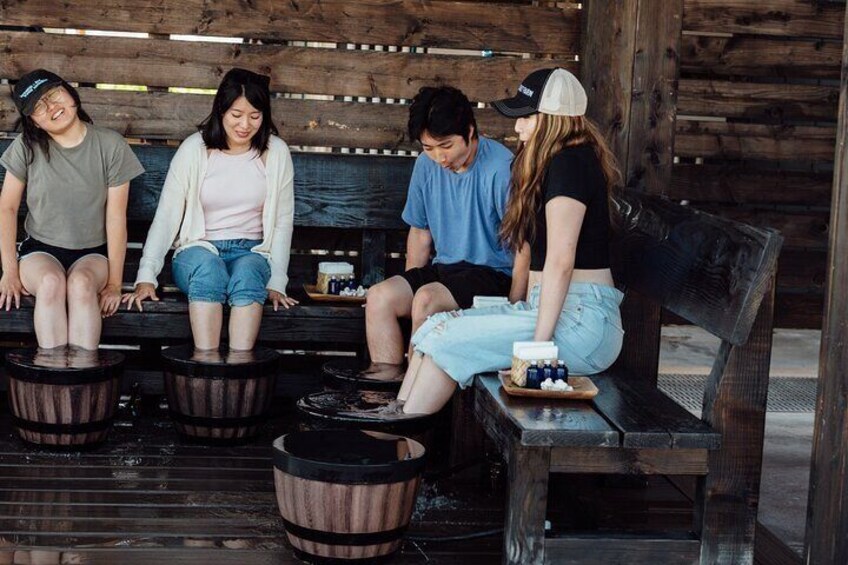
{"x":576,"y":172}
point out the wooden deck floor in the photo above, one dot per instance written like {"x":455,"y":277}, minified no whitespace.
{"x":147,"y":497}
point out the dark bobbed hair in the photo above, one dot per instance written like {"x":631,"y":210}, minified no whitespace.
{"x":239,"y":82}
{"x":34,"y":136}
{"x":441,"y":111}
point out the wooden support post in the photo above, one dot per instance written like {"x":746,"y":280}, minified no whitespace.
{"x":826,"y":539}
{"x":524,"y":530}
{"x":735,"y":406}
{"x":630,"y":71}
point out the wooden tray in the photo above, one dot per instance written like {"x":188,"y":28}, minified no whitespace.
{"x":313,"y":293}
{"x":584,"y":389}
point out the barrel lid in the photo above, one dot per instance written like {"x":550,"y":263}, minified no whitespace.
{"x":348,"y":456}
{"x":186,"y":360}
{"x":349,"y":374}
{"x":64,"y":365}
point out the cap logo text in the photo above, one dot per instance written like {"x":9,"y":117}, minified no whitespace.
{"x":525,"y":91}
{"x":32,"y":87}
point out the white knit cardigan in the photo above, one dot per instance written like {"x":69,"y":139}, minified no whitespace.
{"x":179,"y":220}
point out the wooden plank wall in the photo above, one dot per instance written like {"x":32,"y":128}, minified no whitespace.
{"x":342,"y":72}
{"x":756,"y":128}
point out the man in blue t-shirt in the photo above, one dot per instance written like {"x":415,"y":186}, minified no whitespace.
{"x":457,"y":198}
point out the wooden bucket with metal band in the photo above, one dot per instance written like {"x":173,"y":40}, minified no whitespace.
{"x":219,"y":397}
{"x":64,"y":398}
{"x":346,"y":495}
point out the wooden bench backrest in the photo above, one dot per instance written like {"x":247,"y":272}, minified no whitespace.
{"x":349,"y":205}
{"x":709,"y":270}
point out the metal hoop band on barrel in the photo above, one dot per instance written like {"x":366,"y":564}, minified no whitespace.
{"x":341,"y":538}
{"x":50,"y":428}
{"x":206,"y":421}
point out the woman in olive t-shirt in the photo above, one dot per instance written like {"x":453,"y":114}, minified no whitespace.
{"x":76,"y":176}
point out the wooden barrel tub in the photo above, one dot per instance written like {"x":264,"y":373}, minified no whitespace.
{"x":346,"y":495}
{"x":349,"y":374}
{"x":64,"y":398}
{"x":219,"y":398}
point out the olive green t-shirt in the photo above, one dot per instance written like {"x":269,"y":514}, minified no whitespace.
{"x":66,"y":196}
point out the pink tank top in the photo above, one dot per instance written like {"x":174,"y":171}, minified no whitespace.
{"x":233,"y":195}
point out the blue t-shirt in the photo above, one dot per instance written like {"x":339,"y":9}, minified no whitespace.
{"x":463,"y":211}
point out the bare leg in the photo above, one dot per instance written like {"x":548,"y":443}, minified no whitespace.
{"x":207,"y":318}
{"x":387,"y":301}
{"x":244,"y":326}
{"x":43,"y":277}
{"x":409,"y":380}
{"x":430,"y":299}
{"x":86,"y":278}
{"x":433,"y":388}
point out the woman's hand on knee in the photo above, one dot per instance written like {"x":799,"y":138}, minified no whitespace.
{"x":110,"y":300}
{"x":279,"y":299}
{"x":11,"y":289}
{"x":143,"y":291}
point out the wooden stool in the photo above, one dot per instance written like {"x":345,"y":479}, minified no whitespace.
{"x":346,"y":495}
{"x":348,"y":374}
{"x":219,"y":397}
{"x":63,"y":398}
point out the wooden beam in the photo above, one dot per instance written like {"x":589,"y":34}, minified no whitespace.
{"x":609,"y":41}
{"x":749,"y":56}
{"x":654,"y":94}
{"x":459,"y":25}
{"x":788,"y":18}
{"x":629,"y":461}
{"x":300,"y":70}
{"x":827,"y":510}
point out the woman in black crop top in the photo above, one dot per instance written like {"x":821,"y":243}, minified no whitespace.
{"x":557,"y":223}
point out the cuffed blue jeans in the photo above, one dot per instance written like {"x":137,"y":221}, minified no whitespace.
{"x":466,"y":342}
{"x":235,"y":275}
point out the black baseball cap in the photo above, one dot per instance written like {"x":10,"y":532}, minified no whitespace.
{"x":548,"y":91}
{"x":31,"y":87}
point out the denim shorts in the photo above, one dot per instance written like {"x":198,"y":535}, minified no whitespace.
{"x":235,"y":276}
{"x":466,"y":342}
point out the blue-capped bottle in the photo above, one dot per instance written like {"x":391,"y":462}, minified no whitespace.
{"x":533,"y":376}
{"x":561,"y":371}
{"x":351,"y":283}
{"x":333,"y":287}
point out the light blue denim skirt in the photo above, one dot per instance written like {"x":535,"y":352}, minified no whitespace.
{"x":466,"y":342}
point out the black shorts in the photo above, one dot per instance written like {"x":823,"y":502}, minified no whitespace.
{"x":67,"y":257}
{"x":463,"y":280}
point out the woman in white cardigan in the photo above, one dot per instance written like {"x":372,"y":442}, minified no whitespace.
{"x":227,"y":207}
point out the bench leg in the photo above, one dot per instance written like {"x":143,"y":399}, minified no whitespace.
{"x":524,"y":529}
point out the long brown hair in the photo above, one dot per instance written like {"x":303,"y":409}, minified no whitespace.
{"x":552,"y":135}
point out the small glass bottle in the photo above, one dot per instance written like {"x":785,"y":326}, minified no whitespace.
{"x":548,"y":371}
{"x":351,"y":283}
{"x":533,"y":376}
{"x":333,"y":286}
{"x":561,"y":371}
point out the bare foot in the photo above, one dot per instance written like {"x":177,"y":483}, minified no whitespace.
{"x":383,"y":372}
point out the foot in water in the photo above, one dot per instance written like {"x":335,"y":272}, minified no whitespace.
{"x":383,"y":372}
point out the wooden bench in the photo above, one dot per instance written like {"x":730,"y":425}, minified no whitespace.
{"x":347,"y":208}
{"x":718,"y":275}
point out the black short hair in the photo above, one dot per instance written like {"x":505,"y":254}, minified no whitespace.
{"x":239,"y":82}
{"x":441,"y":111}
